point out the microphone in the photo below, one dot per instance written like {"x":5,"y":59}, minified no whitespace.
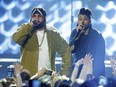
{"x":76,"y":37}
{"x":35,"y":22}
{"x":78,"y":34}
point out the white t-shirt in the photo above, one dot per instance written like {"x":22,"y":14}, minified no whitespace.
{"x":43,"y":60}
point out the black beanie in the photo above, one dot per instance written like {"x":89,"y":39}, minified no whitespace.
{"x":84,"y":11}
{"x":40,"y":11}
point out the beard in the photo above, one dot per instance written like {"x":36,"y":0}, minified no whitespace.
{"x":87,"y":27}
{"x":39,"y":26}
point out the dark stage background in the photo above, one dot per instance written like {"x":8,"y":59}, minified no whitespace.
{"x":60,"y":13}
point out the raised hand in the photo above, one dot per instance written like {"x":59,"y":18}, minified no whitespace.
{"x":113,"y":64}
{"x":17,"y":68}
{"x":87,"y":59}
{"x":79,"y":62}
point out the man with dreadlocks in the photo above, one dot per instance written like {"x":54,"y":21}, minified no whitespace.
{"x":39,"y":43}
{"x":86,"y":40}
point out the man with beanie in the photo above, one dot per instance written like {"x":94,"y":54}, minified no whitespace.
{"x":39,"y":43}
{"x":84,"y":40}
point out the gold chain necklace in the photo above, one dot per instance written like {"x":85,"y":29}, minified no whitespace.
{"x":42,"y":39}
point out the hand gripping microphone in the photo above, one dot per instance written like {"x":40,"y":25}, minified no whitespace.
{"x":79,"y":33}
{"x":35,"y":22}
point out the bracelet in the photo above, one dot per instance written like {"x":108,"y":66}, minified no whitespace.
{"x":17,"y":75}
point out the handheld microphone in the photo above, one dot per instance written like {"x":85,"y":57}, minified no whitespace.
{"x":35,"y":22}
{"x":78,"y":34}
{"x":76,"y":37}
